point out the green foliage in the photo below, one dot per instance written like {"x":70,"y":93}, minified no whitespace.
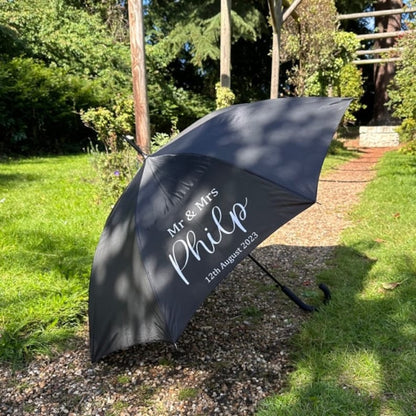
{"x":114,"y":171}
{"x":407,"y":134}
{"x":407,"y":130}
{"x":116,"y":166}
{"x":324,"y":54}
{"x":402,"y":91}
{"x":350,"y":84}
{"x":55,"y":61}
{"x":225,"y":97}
{"x":197,"y":29}
{"x":185,"y":38}
{"x":168,"y":103}
{"x":409,"y":148}
{"x":69,"y":38}
{"x":28,"y":121}
{"x":188,"y":393}
{"x":111,"y":124}
{"x":311,"y":41}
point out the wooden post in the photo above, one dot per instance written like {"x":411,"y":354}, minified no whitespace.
{"x":290,"y":11}
{"x":376,"y":13}
{"x":275,"y":76}
{"x":278,"y":18}
{"x":225,"y":44}
{"x":275,"y":8}
{"x":138,"y":68}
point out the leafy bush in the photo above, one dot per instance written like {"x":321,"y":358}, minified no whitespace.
{"x":118,"y":164}
{"x":323,"y":55}
{"x":55,"y":60}
{"x":225,"y":97}
{"x":337,"y":76}
{"x":38,"y":106}
{"x":402,"y":91}
{"x":114,"y":169}
{"x":112,"y":123}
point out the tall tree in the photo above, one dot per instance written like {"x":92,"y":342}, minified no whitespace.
{"x":188,"y":36}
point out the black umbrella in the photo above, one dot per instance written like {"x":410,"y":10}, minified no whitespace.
{"x":197,"y":207}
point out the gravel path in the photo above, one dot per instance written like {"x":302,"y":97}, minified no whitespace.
{"x":234,"y":352}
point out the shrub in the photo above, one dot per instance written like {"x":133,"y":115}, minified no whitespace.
{"x":115,"y":170}
{"x":112,"y":123}
{"x":28,"y":121}
{"x":225,"y":97}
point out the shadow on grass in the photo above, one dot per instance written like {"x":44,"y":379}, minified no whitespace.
{"x":7,"y":179}
{"x":55,"y":252}
{"x":357,"y":356}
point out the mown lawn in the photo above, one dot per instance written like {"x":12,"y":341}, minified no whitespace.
{"x":50,"y":222}
{"x":357,"y":356}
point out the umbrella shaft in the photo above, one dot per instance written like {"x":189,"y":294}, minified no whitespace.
{"x":265,"y":271}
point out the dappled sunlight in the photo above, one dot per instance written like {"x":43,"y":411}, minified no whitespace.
{"x":360,"y":370}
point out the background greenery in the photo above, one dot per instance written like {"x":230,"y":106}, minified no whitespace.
{"x":60,"y":59}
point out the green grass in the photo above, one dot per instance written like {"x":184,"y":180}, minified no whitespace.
{"x":337,"y":155}
{"x":357,"y":356}
{"x":50,"y":223}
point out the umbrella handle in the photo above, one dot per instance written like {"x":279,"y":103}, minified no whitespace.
{"x":288,"y":292}
{"x":309,"y":308}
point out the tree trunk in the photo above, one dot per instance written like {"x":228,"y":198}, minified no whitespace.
{"x":225,"y":44}
{"x":384,"y":73}
{"x":138,"y":69}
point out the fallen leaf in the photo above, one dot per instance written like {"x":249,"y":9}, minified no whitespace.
{"x":379,"y":240}
{"x":391,"y":286}
{"x":396,"y":215}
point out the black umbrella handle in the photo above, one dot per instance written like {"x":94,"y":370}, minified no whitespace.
{"x":309,"y":308}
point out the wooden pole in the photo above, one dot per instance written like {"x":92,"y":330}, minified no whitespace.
{"x":379,"y":50}
{"x":384,"y":35}
{"x":291,"y":10}
{"x":376,"y":13}
{"x":138,"y":68}
{"x":375,"y":61}
{"x":275,"y":8}
{"x":278,"y":17}
{"x":225,"y":44}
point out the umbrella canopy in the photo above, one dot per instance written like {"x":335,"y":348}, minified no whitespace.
{"x":197,"y":207}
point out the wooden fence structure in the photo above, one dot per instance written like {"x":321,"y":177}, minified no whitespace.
{"x":379,"y":51}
